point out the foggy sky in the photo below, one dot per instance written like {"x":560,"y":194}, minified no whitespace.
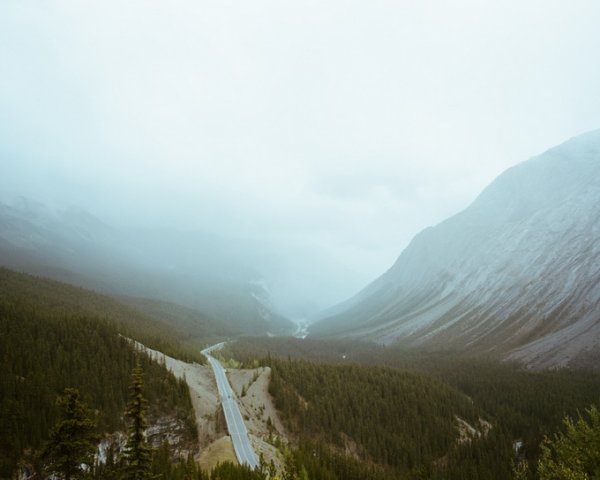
{"x":344,"y":125}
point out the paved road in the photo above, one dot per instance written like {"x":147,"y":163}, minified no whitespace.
{"x":235,"y":423}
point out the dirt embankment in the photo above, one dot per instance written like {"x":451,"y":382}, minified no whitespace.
{"x":215,"y":445}
{"x":258,"y":410}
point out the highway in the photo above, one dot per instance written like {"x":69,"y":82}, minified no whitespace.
{"x":235,"y":423}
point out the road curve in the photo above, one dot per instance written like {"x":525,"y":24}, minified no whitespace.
{"x":235,"y":423}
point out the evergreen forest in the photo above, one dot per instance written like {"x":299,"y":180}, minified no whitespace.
{"x":44,"y":352}
{"x":58,"y":340}
{"x":351,"y":410}
{"x":397,"y":410}
{"x":173,"y":330}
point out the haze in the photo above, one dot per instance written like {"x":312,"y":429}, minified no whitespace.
{"x":332,"y":131}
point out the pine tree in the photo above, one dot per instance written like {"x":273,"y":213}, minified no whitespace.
{"x":138,"y":454}
{"x":73,"y":440}
{"x":575,"y":454}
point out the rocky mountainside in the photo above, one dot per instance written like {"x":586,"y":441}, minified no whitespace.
{"x":516,"y":274}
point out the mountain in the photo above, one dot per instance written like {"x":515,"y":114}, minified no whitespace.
{"x":193,"y":270}
{"x":516,"y":274}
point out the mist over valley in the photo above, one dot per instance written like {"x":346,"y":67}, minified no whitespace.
{"x":299,"y":240}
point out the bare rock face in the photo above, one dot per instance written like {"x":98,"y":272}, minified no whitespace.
{"x":516,"y":274}
{"x":164,"y":430}
{"x":174,"y":432}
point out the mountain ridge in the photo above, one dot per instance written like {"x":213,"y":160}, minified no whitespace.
{"x":515,"y":274}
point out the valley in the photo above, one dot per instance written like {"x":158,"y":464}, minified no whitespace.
{"x":460,"y":361}
{"x":299,"y":240}
{"x":365,"y":411}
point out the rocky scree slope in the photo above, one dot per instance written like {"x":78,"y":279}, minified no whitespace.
{"x":516,"y":274}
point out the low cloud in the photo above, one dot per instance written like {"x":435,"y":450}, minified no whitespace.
{"x":343,"y":126}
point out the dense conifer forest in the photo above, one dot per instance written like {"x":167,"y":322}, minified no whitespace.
{"x":413,"y":415}
{"x":56,"y":338}
{"x":521,"y":406}
{"x":53,"y":337}
{"x":43,"y":353}
{"x":354,"y":410}
{"x":170,"y":329}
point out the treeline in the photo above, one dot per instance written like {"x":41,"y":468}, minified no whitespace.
{"x":522,"y":406}
{"x":42,"y":353}
{"x":158,"y":325}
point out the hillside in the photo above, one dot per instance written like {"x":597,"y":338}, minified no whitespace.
{"x":196,"y":270}
{"x":45,"y":351}
{"x":55,"y":336}
{"x":515,"y":275}
{"x":155,"y":324}
{"x":336,"y":395}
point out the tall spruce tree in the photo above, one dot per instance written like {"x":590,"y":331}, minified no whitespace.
{"x":72,"y":442}
{"x":138,"y":454}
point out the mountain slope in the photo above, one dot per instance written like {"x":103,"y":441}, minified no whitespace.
{"x":192,"y":270}
{"x":156,"y":324}
{"x":516,"y":274}
{"x":47,"y":347}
